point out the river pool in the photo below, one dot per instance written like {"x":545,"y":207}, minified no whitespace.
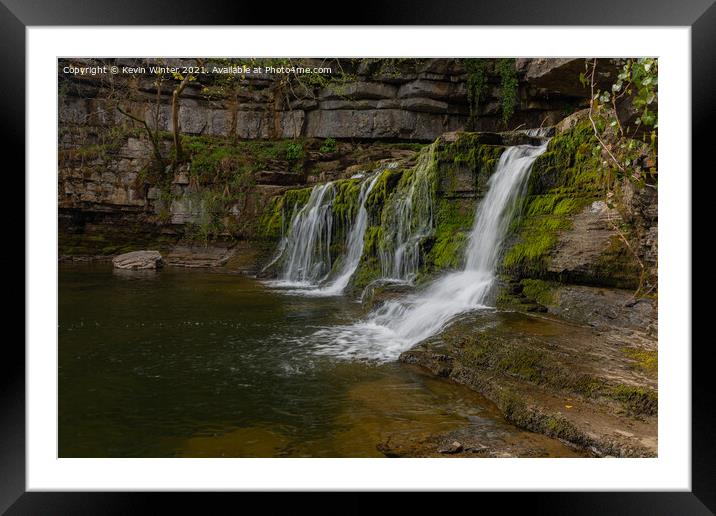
{"x":197,"y":363}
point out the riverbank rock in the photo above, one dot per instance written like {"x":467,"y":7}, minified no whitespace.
{"x":138,"y":260}
{"x":198,"y":256}
{"x":595,"y":388}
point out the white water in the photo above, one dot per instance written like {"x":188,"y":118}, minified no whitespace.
{"x":316,"y":216}
{"x":400,"y":324}
{"x":408,"y":220}
{"x":354,"y":245}
{"x":306,"y":249}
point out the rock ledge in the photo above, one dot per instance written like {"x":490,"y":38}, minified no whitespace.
{"x":138,"y":260}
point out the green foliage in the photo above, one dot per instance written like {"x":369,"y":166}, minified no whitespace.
{"x":329,"y":145}
{"x":209,"y":161}
{"x":639,"y":79}
{"x":294,"y":151}
{"x":506,"y":68}
{"x":219,"y":160}
{"x":643,"y":74}
{"x":105,"y":145}
{"x":637,"y":83}
{"x":211,"y":208}
{"x":476,"y":88}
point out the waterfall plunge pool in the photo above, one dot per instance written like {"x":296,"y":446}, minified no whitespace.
{"x":192,"y":363}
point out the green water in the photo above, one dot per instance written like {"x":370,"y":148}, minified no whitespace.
{"x":209,"y":364}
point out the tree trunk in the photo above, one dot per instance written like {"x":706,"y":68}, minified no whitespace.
{"x":178,"y":152}
{"x":152,"y":137}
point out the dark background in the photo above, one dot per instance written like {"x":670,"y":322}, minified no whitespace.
{"x":15,"y":15}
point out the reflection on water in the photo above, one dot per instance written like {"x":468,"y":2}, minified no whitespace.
{"x":201,"y":364}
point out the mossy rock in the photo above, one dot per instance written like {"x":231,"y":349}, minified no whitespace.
{"x":566,"y":178}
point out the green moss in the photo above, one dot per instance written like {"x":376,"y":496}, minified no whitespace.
{"x":538,"y":290}
{"x":368,"y":271}
{"x":646,"y":360}
{"x":453,"y":223}
{"x":568,"y":176}
{"x":384,"y":186}
{"x":526,"y":364}
{"x":617,"y":265}
{"x":530,"y":255}
{"x":274,"y":221}
{"x":529,"y":364}
{"x":345,"y":204}
{"x":218,"y":159}
{"x":472,"y":150}
{"x":507,"y":70}
{"x":369,"y":267}
{"x":447,"y":253}
{"x":636,"y":400}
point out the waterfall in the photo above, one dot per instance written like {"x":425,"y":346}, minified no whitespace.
{"x":408,"y":219}
{"x":354,"y":249}
{"x":398,"y":325}
{"x":306,"y":249}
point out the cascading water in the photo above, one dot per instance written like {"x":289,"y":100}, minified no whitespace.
{"x":398,"y":325}
{"x":408,"y":219}
{"x":354,"y":249}
{"x":306,"y":248}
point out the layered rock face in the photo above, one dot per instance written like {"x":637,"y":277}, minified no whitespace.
{"x":249,"y":140}
{"x":407,"y":99}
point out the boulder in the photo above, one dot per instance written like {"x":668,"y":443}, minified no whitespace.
{"x":138,"y":260}
{"x":561,"y":75}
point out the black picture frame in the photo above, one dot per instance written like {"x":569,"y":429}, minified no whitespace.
{"x":17,"y":15}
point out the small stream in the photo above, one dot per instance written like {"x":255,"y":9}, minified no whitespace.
{"x":187,"y":363}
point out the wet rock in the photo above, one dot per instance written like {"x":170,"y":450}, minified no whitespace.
{"x":138,"y":260}
{"x":567,"y":381}
{"x":592,"y":251}
{"x":453,"y":447}
{"x":198,"y":256}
